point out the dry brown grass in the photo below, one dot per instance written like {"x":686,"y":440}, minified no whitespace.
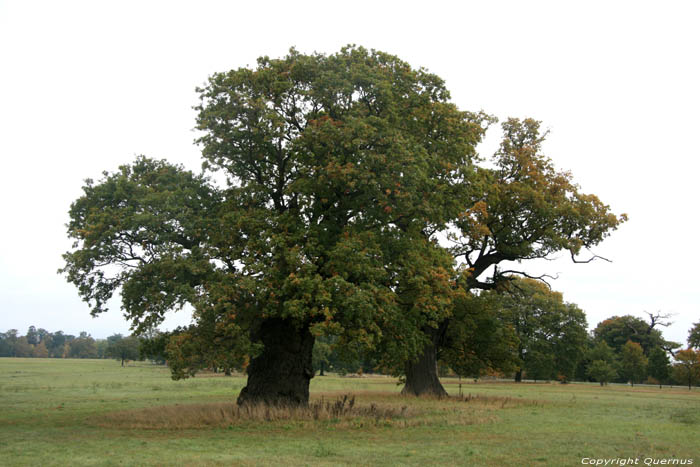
{"x":343,"y":410}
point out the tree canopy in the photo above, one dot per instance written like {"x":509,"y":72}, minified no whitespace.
{"x":337,"y":167}
{"x":618,"y":330}
{"x":551,"y":334}
{"x":694,"y":336}
{"x":122,"y":348}
{"x":518,"y":207}
{"x":342,"y":172}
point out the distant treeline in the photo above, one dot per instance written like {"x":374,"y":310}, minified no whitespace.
{"x":41,"y":343}
{"x":622,"y":349}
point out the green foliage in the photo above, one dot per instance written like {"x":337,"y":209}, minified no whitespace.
{"x":659,"y":366}
{"x":686,"y":369}
{"x":123,"y":348}
{"x":329,"y":355}
{"x":22,"y":347}
{"x":523,"y":208}
{"x":7,"y":343}
{"x":694,"y":336}
{"x":551,"y":333}
{"x":342,"y":171}
{"x":321,"y":356}
{"x":633,"y":363}
{"x":618,"y":330}
{"x":146,"y":219}
{"x":214,"y":346}
{"x":153,"y":345}
{"x":40,"y":350}
{"x":32,"y":336}
{"x":57,"y":344}
{"x":83,"y":346}
{"x":602,"y":371}
{"x":480,"y":337}
{"x":602,"y":351}
{"x":40,"y":343}
{"x":338,"y":168}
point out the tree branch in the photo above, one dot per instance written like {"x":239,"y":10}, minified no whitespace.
{"x":539,"y":278}
{"x":577,"y":261}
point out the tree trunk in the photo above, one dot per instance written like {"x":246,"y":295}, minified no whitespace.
{"x":422,"y":374}
{"x":519,"y":375}
{"x":280,"y":375}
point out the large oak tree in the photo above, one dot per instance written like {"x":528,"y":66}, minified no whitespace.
{"x":340,"y":170}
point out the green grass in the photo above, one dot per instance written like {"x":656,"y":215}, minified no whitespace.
{"x":94,"y":412}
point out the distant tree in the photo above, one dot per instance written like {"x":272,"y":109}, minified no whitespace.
{"x":153,"y":346}
{"x":659,"y":365}
{"x":102,"y":345}
{"x":40,"y":350}
{"x":6,"y":349}
{"x":123,"y":348}
{"x":602,"y":371}
{"x":57,"y":345}
{"x":481,"y":338}
{"x":618,"y":330}
{"x":545,"y":326}
{"x":344,"y":359}
{"x":568,"y":341}
{"x":687,"y":366}
{"x":321,"y":355}
{"x":694,"y":336}
{"x":33,"y":336}
{"x":43,"y":334}
{"x":46,"y":338}
{"x":633,"y":363}
{"x":82,"y":347}
{"x":9,"y":342}
{"x":209,"y":345}
{"x":581,"y":372}
{"x":23,"y":348}
{"x":540,"y":363}
{"x":602,"y":353}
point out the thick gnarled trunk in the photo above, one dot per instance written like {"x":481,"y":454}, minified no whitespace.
{"x":422,"y":374}
{"x":280,"y":375}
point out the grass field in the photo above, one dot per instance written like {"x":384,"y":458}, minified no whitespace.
{"x":94,"y":412}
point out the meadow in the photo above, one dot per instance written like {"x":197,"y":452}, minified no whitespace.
{"x":94,"y":412}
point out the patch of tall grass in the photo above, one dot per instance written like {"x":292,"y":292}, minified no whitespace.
{"x":346,"y":411}
{"x":226,"y":414}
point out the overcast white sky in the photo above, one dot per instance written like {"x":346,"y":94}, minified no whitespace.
{"x":86,"y":86}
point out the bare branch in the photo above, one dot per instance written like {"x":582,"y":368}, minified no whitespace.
{"x":539,"y":278}
{"x":578,"y":261}
{"x":656,"y":319}
{"x":669,"y":349}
